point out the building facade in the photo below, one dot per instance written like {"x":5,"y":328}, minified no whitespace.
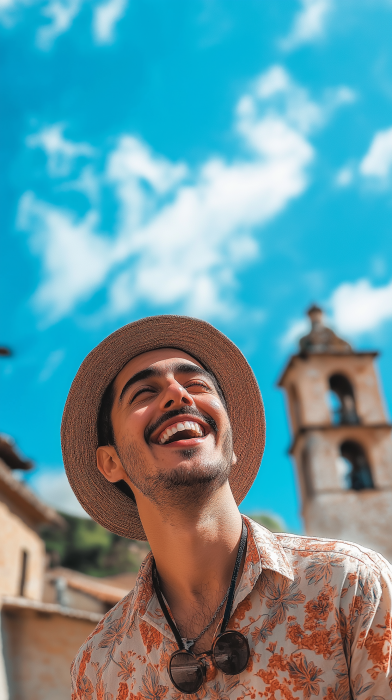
{"x":22,"y":551}
{"x":342,"y":440}
{"x":45,"y":616}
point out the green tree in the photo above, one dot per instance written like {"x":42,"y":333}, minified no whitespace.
{"x":271,"y":522}
{"x":87,"y":547}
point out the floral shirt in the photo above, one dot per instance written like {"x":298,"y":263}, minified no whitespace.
{"x":316,"y":613}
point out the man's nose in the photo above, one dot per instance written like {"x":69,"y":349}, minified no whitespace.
{"x":176,"y":395}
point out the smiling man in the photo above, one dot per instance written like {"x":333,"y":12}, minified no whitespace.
{"x":163,"y":434}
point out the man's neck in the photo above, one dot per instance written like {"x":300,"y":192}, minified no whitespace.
{"x":195,"y":551}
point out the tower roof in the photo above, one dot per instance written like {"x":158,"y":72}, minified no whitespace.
{"x":321,"y":339}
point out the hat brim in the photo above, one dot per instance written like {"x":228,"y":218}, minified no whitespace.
{"x":100,"y":498}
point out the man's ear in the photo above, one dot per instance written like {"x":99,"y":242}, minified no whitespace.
{"x":109,"y":463}
{"x":234,"y":459}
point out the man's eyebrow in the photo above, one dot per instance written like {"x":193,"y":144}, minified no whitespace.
{"x":187,"y":368}
{"x":138,"y":377}
{"x":183,"y":368}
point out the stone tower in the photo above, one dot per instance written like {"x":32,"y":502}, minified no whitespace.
{"x":342,"y":444}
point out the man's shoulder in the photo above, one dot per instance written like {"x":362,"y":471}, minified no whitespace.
{"x":349,"y":555}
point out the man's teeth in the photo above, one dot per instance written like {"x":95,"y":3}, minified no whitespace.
{"x":178,"y":427}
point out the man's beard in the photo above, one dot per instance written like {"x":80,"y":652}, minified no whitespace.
{"x":183,"y":486}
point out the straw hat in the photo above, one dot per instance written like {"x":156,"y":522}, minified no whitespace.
{"x":100,"y":498}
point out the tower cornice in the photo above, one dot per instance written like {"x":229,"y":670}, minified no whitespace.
{"x":307,"y":356}
{"x":338,"y":428}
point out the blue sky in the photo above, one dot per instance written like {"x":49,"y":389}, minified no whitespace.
{"x":231,"y":161}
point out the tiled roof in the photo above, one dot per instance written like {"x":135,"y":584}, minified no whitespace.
{"x":25,"y":500}
{"x":95,"y":587}
{"x":10,"y":455}
{"x":17,"y":603}
{"x":124,"y":581}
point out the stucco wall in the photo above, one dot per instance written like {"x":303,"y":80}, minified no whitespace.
{"x":330,"y":510}
{"x":363,"y":517}
{"x":38,"y":650}
{"x":16,"y":537}
{"x":323,"y":449}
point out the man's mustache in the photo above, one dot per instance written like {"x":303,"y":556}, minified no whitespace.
{"x":178,"y":412}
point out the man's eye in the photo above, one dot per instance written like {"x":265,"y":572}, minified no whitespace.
{"x":197,"y":383}
{"x":141,"y":391}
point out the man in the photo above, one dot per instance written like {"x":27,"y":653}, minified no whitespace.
{"x":163,"y":434}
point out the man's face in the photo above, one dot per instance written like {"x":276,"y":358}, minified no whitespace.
{"x":171,"y":428}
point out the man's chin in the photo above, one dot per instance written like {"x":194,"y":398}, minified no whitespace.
{"x":187,"y":475}
{"x":186,"y":484}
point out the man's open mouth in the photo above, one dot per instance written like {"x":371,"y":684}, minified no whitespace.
{"x":183,"y":430}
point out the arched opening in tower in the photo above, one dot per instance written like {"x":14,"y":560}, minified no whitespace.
{"x":342,"y":400}
{"x":354,"y":467}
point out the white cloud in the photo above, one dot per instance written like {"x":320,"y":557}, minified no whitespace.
{"x":282,"y":95}
{"x":340,"y":96}
{"x":62,"y":14}
{"x":181,"y":234}
{"x":53,"y":361}
{"x":61,"y":152}
{"x":10,"y":10}
{"x":51,"y":486}
{"x":287,"y":97}
{"x":297,"y":329}
{"x":375,"y":168}
{"x":344,"y":176}
{"x":6,"y":7}
{"x":309,"y":24}
{"x":5,"y":4}
{"x":59,"y":16}
{"x":105,"y":19}
{"x":377,"y":163}
{"x":358,"y":307}
{"x":354,"y":309}
{"x":87,"y":183}
{"x":133,"y":160}
{"x":75,"y":259}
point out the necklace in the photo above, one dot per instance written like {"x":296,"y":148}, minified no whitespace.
{"x":188,"y":643}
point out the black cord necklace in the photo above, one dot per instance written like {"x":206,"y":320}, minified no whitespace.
{"x":188,"y":643}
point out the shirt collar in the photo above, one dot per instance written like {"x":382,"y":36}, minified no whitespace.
{"x":263,"y":552}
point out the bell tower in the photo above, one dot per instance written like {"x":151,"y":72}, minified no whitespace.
{"x":341,"y":439}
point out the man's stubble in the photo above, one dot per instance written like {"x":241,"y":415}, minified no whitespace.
{"x":181,"y":486}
